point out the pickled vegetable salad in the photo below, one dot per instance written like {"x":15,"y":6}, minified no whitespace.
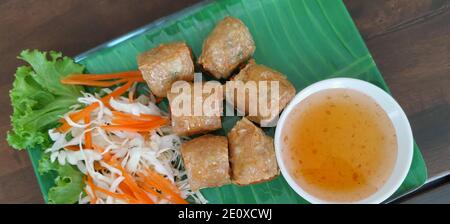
{"x":121,"y":144}
{"x":125,"y":150}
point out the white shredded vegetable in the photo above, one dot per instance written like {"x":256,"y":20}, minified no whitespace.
{"x":137,"y":152}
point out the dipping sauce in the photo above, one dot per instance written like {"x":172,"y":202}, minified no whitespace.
{"x":339,"y":145}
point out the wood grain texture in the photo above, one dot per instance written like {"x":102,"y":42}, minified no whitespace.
{"x":409,"y":40}
{"x":70,"y":26}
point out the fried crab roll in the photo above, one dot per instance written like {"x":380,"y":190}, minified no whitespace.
{"x":165,"y":64}
{"x":206,"y":161}
{"x":240,"y":93}
{"x":194,"y":112}
{"x":229,"y":45}
{"x":252,"y":154}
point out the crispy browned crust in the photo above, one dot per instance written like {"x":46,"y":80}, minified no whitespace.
{"x":256,"y":72}
{"x":165,"y":64}
{"x":190,"y":125}
{"x":206,"y":161}
{"x":252,"y":154}
{"x":228,"y":46}
{"x":257,"y":182}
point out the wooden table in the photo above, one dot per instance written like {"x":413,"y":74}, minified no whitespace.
{"x":409,"y":40}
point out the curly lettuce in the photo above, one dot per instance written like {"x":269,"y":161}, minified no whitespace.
{"x":68,"y":183}
{"x":39,"y":100}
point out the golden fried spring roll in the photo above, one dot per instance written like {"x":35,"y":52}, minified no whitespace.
{"x":165,"y":64}
{"x":185,"y":119}
{"x":240,"y":96}
{"x":252,"y":154}
{"x":227,"y":46}
{"x":206,"y":161}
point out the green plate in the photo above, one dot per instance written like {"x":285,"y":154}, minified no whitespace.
{"x":307,"y":40}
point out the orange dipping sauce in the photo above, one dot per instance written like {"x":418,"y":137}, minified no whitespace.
{"x":340,"y":145}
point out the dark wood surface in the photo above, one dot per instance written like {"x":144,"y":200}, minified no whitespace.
{"x":409,"y":40}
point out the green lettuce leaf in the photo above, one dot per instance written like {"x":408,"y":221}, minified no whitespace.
{"x":39,"y":100}
{"x":68,"y":183}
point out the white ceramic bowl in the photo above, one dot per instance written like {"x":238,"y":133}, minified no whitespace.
{"x":394,"y":112}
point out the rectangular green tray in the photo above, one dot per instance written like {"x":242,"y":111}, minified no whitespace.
{"x":307,"y":40}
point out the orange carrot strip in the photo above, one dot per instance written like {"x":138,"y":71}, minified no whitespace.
{"x":161,"y":179}
{"x":136,"y":79}
{"x":106,"y":156}
{"x":164,"y":185}
{"x":169,"y":190}
{"x":113,"y":194}
{"x":98,"y":167}
{"x":88,"y":134}
{"x":151,"y":189}
{"x":136,"y":127}
{"x":125,"y":188}
{"x":116,"y":93}
{"x":90,"y":182}
{"x":73,"y":147}
{"x":77,"y":116}
{"x":126,"y":121}
{"x":127,"y":197}
{"x":119,"y":75}
{"x":149,"y":185}
{"x":138,"y":192}
{"x":131,"y":129}
{"x":93,"y":82}
{"x":81,"y":79}
{"x":132,"y":116}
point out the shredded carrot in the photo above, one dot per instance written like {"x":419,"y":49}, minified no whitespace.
{"x":144,"y":127}
{"x":90,"y":182}
{"x":98,"y":167}
{"x":93,"y":82}
{"x":113,"y":194}
{"x":125,"y":121}
{"x":119,"y":114}
{"x":137,"y":191}
{"x":123,"y":187}
{"x":124,"y":196}
{"x":141,"y":126}
{"x":116,"y":93}
{"x":149,"y":186}
{"x":160,"y":179}
{"x":165,"y":186}
{"x":77,"y":116}
{"x":103,"y":80}
{"x":131,"y":121}
{"x":73,"y":147}
{"x":120,"y":75}
{"x":88,"y":134}
{"x":106,"y":156}
{"x":151,"y":189}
